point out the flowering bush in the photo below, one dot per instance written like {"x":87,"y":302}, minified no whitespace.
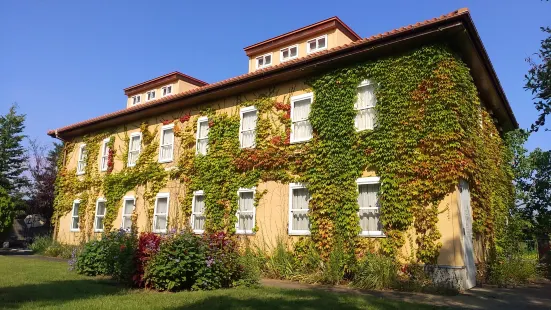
{"x":148,"y":245}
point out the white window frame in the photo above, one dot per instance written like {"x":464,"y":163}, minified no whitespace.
{"x":137,"y":99}
{"x":293,"y":232}
{"x":293,"y":100}
{"x":123,"y":215}
{"x":317,"y":49}
{"x":244,"y":231}
{"x":96,"y":229}
{"x":264,"y":58}
{"x":199,"y":121}
{"x":362,"y":84}
{"x":164,"y":91}
{"x":81,"y":162}
{"x":364,"y":181}
{"x":104,"y":155}
{"x":135,"y":134}
{"x":290,"y":57}
{"x":73,"y":216}
{"x":193,"y":213}
{"x":171,"y":158}
{"x":155,"y":214}
{"x":149,"y":97}
{"x":241,"y":112}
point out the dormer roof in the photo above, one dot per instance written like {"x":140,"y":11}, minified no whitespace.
{"x":162,"y":80}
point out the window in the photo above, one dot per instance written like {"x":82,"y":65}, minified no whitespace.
{"x":100,"y":214}
{"x":368,"y":189}
{"x":134,"y":148}
{"x":301,"y":129}
{"x":167,"y":90}
{"x":245,"y":212}
{"x":160,"y":216}
{"x":264,"y":61}
{"x":202,"y":135}
{"x":104,"y":155}
{"x":150,"y":95}
{"x":136,"y":99}
{"x":167,"y":144}
{"x":299,"y":223}
{"x":74,"y":215}
{"x":198,"y":212}
{"x":288,"y":53}
{"x":247,"y":131}
{"x":127,"y":210}
{"x":81,"y":165}
{"x":364,"y":106}
{"x":317,"y":44}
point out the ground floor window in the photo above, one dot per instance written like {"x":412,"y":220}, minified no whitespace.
{"x":100,"y":214}
{"x":127,"y":210}
{"x":160,"y":215}
{"x":299,"y":222}
{"x":198,"y":212}
{"x":245,"y":211}
{"x":368,"y":190}
{"x":74,"y":215}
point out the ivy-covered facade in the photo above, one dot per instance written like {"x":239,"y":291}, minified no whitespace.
{"x":366,"y":154}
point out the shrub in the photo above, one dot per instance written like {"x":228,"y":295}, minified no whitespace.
{"x":281,"y":264}
{"x":252,"y":262}
{"x":41,"y":243}
{"x":148,"y":245}
{"x":222,"y":268}
{"x":375,"y":272}
{"x":93,"y":260}
{"x":512,"y":271}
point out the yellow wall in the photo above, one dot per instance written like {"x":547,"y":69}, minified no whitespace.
{"x":177,"y":87}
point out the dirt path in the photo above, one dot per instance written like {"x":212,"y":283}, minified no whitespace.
{"x":534,"y":296}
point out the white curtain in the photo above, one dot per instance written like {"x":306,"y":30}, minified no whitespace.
{"x":202,"y":137}
{"x":248,"y":127}
{"x":75,"y":216}
{"x":104,"y":156}
{"x":246,"y":211}
{"x":199,"y":210}
{"x":369,"y":208}
{"x":134,"y":151}
{"x":302,"y":129}
{"x":81,"y":165}
{"x":127,"y":213}
{"x":167,"y":144}
{"x":160,"y":217}
{"x":365,"y":117}
{"x":100,"y":213}
{"x":300,"y":209}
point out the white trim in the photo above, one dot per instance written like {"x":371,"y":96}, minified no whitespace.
{"x":73,"y":216}
{"x":241,"y":231}
{"x":365,"y":181}
{"x":293,"y":232}
{"x":193,"y":213}
{"x":123,"y":215}
{"x":317,"y":49}
{"x":363,"y":84}
{"x":155,"y":214}
{"x":199,"y":121}
{"x":241,"y":112}
{"x":139,"y":99}
{"x":293,"y":100}
{"x":163,"y":90}
{"x":103,"y":155}
{"x":135,"y":134}
{"x":171,"y":158}
{"x":148,"y":95}
{"x":290,"y":57}
{"x":96,"y":229}
{"x":264,"y":58}
{"x":79,"y":160}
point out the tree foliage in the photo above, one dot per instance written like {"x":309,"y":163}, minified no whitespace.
{"x":538,"y":80}
{"x":12,"y":153}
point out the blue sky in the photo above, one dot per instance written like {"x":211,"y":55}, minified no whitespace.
{"x":67,"y":61}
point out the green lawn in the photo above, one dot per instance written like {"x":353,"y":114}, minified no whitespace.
{"x":31,"y":283}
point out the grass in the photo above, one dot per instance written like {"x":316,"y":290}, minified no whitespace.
{"x":32,"y":283}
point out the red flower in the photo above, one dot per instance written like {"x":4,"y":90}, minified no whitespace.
{"x":211,"y":123}
{"x":185,"y":118}
{"x":122,"y":248}
{"x":166,"y":122}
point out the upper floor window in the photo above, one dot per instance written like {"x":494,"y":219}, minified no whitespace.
{"x":202,"y":135}
{"x":127,"y":210}
{"x":81,"y":165}
{"x":104,"y":155}
{"x":136,"y":99}
{"x":289,"y":53}
{"x":100,"y":214}
{"x":198,"y":212}
{"x":74,"y":216}
{"x":301,"y":129}
{"x":167,"y":144}
{"x":299,"y":221}
{"x":364,"y":106}
{"x":245,"y":211}
{"x":264,"y":61}
{"x":317,"y":44}
{"x":150,"y":95}
{"x":160,"y":214}
{"x":134,"y":148}
{"x":247,"y":132}
{"x":167,"y":90}
{"x":368,"y":190}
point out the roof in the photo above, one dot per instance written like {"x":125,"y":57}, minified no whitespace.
{"x":459,"y":20}
{"x":302,"y":33}
{"x":167,"y":78}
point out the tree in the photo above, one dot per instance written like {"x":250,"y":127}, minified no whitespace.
{"x":7,"y":210}
{"x":43,"y":172}
{"x":538,"y":80}
{"x":12,"y":154}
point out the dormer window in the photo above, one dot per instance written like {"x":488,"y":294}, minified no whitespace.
{"x":136,"y":99}
{"x":167,"y":90}
{"x":150,"y":95}
{"x":264,"y":61}
{"x":289,"y":53}
{"x":317,"y":44}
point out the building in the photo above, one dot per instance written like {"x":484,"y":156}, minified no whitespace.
{"x":264,"y":154}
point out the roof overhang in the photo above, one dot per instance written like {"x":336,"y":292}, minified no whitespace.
{"x":455,"y":29}
{"x":162,"y":80}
